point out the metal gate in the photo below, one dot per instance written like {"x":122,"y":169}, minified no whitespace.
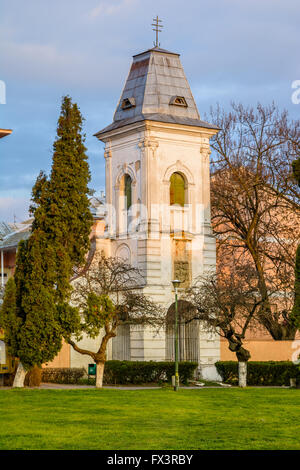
{"x":188,"y":342}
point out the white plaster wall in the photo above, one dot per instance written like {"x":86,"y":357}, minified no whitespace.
{"x":81,"y":360}
{"x":150,"y":152}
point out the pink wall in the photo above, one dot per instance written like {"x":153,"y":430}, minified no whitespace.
{"x":62,"y":359}
{"x":265,"y":350}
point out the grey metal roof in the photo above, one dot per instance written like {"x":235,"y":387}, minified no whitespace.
{"x":157,"y":49}
{"x":12,"y":234}
{"x":5,"y":229}
{"x":12,"y":240}
{"x":156,"y":76}
{"x":8,"y":230}
{"x":97,"y":207}
{"x":159,"y":118}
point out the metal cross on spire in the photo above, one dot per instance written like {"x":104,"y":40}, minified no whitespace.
{"x":157,"y":30}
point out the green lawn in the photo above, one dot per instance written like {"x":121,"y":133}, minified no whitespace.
{"x":150,"y":419}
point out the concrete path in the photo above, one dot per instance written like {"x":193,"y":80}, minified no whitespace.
{"x":52,"y":386}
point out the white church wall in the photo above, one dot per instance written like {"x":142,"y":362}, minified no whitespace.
{"x":209,"y":372}
{"x":154,"y":345}
{"x":149,"y":152}
{"x":175,"y":150}
{"x":147,"y":344}
{"x":82,"y":360}
{"x":137,"y":343}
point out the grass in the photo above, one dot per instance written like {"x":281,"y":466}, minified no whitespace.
{"x":150,"y":419}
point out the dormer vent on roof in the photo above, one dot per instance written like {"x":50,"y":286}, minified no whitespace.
{"x":156,"y":79}
{"x":178,"y":101}
{"x":156,"y":89}
{"x":128,"y":103}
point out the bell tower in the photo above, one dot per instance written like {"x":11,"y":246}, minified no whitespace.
{"x":158,"y":194}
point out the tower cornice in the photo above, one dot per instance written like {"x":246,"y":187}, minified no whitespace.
{"x":204,"y":130}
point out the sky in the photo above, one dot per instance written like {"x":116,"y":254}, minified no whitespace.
{"x":231,"y":50}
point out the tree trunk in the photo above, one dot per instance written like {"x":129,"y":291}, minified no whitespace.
{"x":20,"y":376}
{"x":242,"y":374}
{"x":99,"y":374}
{"x":243,"y":356}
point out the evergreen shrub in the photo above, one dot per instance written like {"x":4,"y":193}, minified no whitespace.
{"x":125,"y":372}
{"x":63,"y":375}
{"x":266,"y":373}
{"x":138,"y":372}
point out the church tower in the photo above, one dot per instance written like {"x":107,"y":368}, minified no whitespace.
{"x":158,"y":199}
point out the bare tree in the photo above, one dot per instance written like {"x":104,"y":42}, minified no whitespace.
{"x":255,"y":201}
{"x":108,"y":294}
{"x":227,"y":303}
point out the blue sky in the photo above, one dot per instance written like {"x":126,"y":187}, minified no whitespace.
{"x":232,"y":50}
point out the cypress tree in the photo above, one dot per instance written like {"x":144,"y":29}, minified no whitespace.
{"x":36,"y":315}
{"x":9,"y":319}
{"x":61,"y":205}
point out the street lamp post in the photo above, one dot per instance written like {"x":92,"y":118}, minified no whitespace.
{"x":176,"y":283}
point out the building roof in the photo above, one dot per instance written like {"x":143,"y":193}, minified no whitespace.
{"x":156,"y":49}
{"x":12,"y":234}
{"x":156,"y":89}
{"x":17,"y":232}
{"x":5,"y":229}
{"x":97,"y":207}
{"x":4,"y":132}
{"x":158,"y":118}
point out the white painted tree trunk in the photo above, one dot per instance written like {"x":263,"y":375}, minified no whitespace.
{"x":99,"y":374}
{"x":242,"y":374}
{"x":20,"y":376}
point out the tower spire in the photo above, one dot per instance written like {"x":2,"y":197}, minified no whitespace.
{"x":157,"y":30}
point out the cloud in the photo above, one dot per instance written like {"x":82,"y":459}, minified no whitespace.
{"x":25,"y":180}
{"x":109,"y":9}
{"x":242,"y":51}
{"x":50,"y":65}
{"x":38,"y":60}
{"x":14,"y":208}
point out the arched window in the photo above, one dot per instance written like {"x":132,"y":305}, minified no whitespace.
{"x":127,"y":191}
{"x":125,"y":203}
{"x":177,"y":190}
